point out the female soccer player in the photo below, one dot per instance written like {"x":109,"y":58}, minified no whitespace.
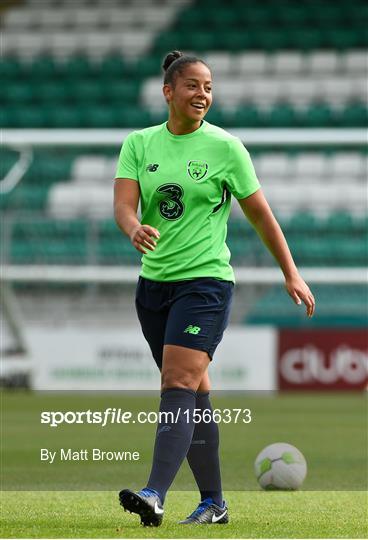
{"x":184,"y":173}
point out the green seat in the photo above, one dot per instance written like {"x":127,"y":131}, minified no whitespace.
{"x":218,"y":117}
{"x":201,"y":41}
{"x":354,"y":115}
{"x":337,"y":306}
{"x":349,"y":251}
{"x":51,"y":92}
{"x":28,"y":117}
{"x":193,"y":18}
{"x":112,"y":66}
{"x":254,"y":16}
{"x":148,"y":66}
{"x":132,"y":117}
{"x":317,"y":115}
{"x":292,"y":15}
{"x":339,"y":222}
{"x":47,"y":168}
{"x":221,"y":18}
{"x":78,"y":67}
{"x":27,"y":197}
{"x":10,"y":68}
{"x":303,"y":223}
{"x":270,"y":40}
{"x":246,"y":116}
{"x":306,"y":39}
{"x":281,"y":115}
{"x":17,"y":93}
{"x":170,"y":41}
{"x":235,"y":40}
{"x":341,"y":38}
{"x":158,"y":117}
{"x":64,"y":116}
{"x":7,"y":115}
{"x":86,"y":91}
{"x":43,"y":68}
{"x":327,"y":15}
{"x":102,"y":117}
{"x":121,"y":92}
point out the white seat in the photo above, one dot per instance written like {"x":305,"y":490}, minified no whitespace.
{"x":301,"y":91}
{"x":323,"y":62}
{"x":229,"y":92}
{"x":318,"y":197}
{"x":358,"y":89}
{"x":19,"y":18}
{"x":355,"y":62}
{"x":153,"y":17}
{"x":85,"y":18}
{"x":98,"y":44}
{"x":287,"y":63}
{"x":110,"y":168}
{"x":220,"y":63}
{"x":123,"y":18}
{"x":251,"y":63}
{"x":273,"y":167}
{"x":151,"y":94}
{"x":89,"y":169}
{"x":337,"y":90}
{"x":265,"y":91}
{"x":346,"y":166}
{"x":310,"y":165}
{"x":54,"y":17}
{"x":32,"y":44}
{"x":64,"y":44}
{"x":67,"y":199}
{"x":133,"y":43}
{"x":9,"y":42}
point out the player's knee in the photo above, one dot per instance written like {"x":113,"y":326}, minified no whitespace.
{"x":173,"y":378}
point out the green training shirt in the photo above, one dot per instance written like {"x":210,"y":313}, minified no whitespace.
{"x":186,"y":182}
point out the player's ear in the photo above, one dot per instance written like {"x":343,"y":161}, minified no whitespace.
{"x":167,"y":92}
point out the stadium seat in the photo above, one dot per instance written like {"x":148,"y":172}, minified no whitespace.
{"x":245,"y":115}
{"x":322,"y":62}
{"x":355,"y":62}
{"x":255,"y":63}
{"x":123,"y":92}
{"x":310,"y":165}
{"x":286,"y":63}
{"x":281,"y":115}
{"x":64,"y":116}
{"x":318,"y":114}
{"x":89,"y":169}
{"x":273,"y":167}
{"x":353,"y":115}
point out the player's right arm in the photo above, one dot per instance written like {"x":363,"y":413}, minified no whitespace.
{"x":126,"y":199}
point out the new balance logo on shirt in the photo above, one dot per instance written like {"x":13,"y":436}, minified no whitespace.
{"x":192,"y":329}
{"x":152,"y":167}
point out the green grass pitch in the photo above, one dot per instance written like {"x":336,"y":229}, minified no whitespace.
{"x":252,"y":515}
{"x":69,"y":501}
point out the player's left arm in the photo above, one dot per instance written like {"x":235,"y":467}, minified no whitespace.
{"x":259,"y":213}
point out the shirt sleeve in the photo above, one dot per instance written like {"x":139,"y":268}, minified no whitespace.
{"x":127,"y":164}
{"x":241,"y":177}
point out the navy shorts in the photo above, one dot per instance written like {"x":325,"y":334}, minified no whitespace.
{"x":192,"y":313}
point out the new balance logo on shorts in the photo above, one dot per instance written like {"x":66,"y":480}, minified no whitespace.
{"x":192,"y":329}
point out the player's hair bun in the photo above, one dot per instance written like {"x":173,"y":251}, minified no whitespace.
{"x":170,"y":58}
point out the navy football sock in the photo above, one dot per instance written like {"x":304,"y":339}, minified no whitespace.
{"x":173,"y":437}
{"x":203,"y":455}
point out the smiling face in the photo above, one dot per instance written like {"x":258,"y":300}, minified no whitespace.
{"x":190,"y":96}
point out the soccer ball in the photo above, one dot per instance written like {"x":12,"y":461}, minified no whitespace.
{"x":280,"y":466}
